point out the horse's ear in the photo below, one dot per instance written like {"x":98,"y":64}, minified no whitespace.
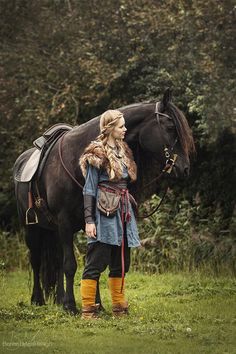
{"x":167,"y":97}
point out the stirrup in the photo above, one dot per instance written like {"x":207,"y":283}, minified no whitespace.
{"x":35,"y":221}
{"x":30,"y":207}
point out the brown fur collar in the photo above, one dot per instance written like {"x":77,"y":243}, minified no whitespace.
{"x":95,"y":154}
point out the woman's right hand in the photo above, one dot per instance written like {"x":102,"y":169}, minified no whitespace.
{"x":90,"y":230}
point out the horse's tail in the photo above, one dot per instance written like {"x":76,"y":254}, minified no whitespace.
{"x":51,"y":261}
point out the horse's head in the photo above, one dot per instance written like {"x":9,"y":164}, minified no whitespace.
{"x":166,"y":134}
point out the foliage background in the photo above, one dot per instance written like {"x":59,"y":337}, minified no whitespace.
{"x":68,"y":60}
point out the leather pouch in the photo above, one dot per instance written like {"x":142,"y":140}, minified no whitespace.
{"x":108,"y":202}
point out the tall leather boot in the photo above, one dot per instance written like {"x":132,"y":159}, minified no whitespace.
{"x":88,"y":294}
{"x":119,"y":303}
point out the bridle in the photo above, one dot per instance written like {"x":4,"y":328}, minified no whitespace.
{"x":170,"y":160}
{"x":169,"y":164}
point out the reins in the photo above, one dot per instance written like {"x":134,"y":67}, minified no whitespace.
{"x":62,"y":162}
{"x":170,"y":162}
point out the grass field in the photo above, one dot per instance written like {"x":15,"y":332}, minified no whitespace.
{"x":169,"y":313}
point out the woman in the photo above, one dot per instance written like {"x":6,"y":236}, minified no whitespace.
{"x":107,"y":162}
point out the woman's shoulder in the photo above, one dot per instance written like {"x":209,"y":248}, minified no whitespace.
{"x":94,"y":155}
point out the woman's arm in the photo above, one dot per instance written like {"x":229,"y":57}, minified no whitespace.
{"x":89,"y":193}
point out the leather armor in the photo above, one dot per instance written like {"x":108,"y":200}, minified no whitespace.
{"x":89,"y":208}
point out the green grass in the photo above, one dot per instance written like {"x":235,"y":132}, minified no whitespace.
{"x":169,"y":313}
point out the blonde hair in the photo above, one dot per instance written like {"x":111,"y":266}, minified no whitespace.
{"x":108,"y":121}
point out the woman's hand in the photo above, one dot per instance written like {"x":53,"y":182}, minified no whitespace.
{"x":90,"y":230}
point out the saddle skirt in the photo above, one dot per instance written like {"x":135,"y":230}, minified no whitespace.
{"x":37,"y":159}
{"x":28,"y":168}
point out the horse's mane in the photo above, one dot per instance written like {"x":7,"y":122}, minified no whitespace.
{"x":183,"y":130}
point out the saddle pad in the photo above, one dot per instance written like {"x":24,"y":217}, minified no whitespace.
{"x":30,"y":167}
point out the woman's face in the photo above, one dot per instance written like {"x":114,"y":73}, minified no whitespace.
{"x":119,"y":130}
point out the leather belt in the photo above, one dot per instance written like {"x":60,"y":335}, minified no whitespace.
{"x":116,"y":187}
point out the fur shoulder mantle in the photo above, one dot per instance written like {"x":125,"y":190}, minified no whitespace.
{"x":95,"y":155}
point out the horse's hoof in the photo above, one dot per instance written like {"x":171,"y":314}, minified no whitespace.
{"x":71,"y":310}
{"x":37,"y":302}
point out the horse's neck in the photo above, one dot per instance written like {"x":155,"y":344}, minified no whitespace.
{"x":148,"y":169}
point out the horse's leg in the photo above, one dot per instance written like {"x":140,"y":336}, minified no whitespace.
{"x":33,"y":241}
{"x":60,"y":292}
{"x":69,"y":263}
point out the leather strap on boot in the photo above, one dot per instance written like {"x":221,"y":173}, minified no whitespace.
{"x":90,"y":312}
{"x":120,"y":309}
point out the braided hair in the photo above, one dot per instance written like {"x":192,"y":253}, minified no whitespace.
{"x":108,"y":121}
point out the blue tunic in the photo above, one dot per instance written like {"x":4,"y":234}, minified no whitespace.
{"x":109,"y":229}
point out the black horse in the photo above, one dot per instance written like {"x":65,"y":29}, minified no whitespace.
{"x":150,"y":128}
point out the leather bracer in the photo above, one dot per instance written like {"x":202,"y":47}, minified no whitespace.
{"x":89,"y":208}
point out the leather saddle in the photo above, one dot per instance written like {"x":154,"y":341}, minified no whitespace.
{"x":35,"y":163}
{"x":38,"y":158}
